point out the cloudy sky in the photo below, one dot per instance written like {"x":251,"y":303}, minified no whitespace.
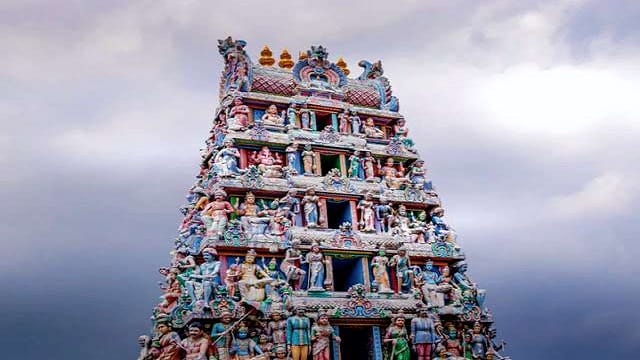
{"x":525,"y":111}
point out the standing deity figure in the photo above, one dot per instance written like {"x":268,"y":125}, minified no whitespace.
{"x":452,"y":295}
{"x":239,"y":80}
{"x":371,"y":131}
{"x":369,"y":166}
{"x":429,"y":279}
{"x":401,"y":131}
{"x":216,"y":214}
{"x":384,"y":216}
{"x":271,"y":116}
{"x":219,"y":130}
{"x":417,"y":175}
{"x":239,"y":115}
{"x":268,"y":163}
{"x":311,"y":207}
{"x":356,"y":169}
{"x":208,"y":274}
{"x":196,"y":344}
{"x":306,"y":118}
{"x":404,"y":274}
{"x":293,"y":159}
{"x":367,"y":213}
{"x":225,"y":163}
{"x":356,"y":123}
{"x":321,"y":336}
{"x":185,"y":264}
{"x":166,"y":345}
{"x":479,"y":342}
{"x":231,"y":278}
{"x":397,"y":340}
{"x":221,"y":334}
{"x":172,"y":290}
{"x":277,"y":329}
{"x":290,"y":206}
{"x":290,"y":266}
{"x":293,"y":115}
{"x":391,"y":176}
{"x":252,"y":279}
{"x":343,"y":122}
{"x":309,"y":160}
{"x":299,"y":334}
{"x":317,"y":270}
{"x":379,"y":266}
{"x":242,"y":346}
{"x":423,"y":334}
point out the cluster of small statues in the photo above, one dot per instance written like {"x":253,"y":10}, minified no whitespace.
{"x":293,"y":337}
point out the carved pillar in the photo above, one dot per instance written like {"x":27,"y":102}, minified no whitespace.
{"x":377,"y":343}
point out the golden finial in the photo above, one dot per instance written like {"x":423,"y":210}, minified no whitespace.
{"x":285,"y":60}
{"x":266,"y":57}
{"x":343,"y":66}
{"x":303,"y":55}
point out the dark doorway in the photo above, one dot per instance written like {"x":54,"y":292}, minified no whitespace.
{"x":357,"y":343}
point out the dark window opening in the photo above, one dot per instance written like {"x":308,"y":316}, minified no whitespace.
{"x":328,"y":162}
{"x":346,"y":273}
{"x":338,"y":212}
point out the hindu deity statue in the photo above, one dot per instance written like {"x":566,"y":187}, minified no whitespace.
{"x":277,"y":328}
{"x":452,"y":341}
{"x":219,"y":130}
{"x":441,"y":229}
{"x":196,"y":344}
{"x":401,"y":131}
{"x":207,"y":274}
{"x":239,"y":115}
{"x":321,"y":336}
{"x":290,"y":266}
{"x":290,"y":206}
{"x":356,"y":168}
{"x":479,"y":342}
{"x":356,"y":123}
{"x":231,"y":278}
{"x":384,"y":216}
{"x":242,"y":346}
{"x":343,"y":122}
{"x":225,"y":163}
{"x":369,"y":166}
{"x":216,"y":214}
{"x":429,"y":280}
{"x":250,"y":218}
{"x":271,"y":116}
{"x":299,"y":334}
{"x":402,"y":264}
{"x":460,"y":278}
{"x":239,"y":80}
{"x":166,"y":345}
{"x":367,"y":213}
{"x":371,"y":131}
{"x":452,"y":294}
{"x":145,"y":348}
{"x":252,"y":279}
{"x":184,"y":262}
{"x":317,"y":268}
{"x":423,"y":334}
{"x":293,"y":115}
{"x":309,"y":160}
{"x":280,"y":352}
{"x":311,"y":208}
{"x":268,"y":163}
{"x":417,"y":174}
{"x":221,"y":336}
{"x":379,"y":267}
{"x":172,"y":290}
{"x":307,"y":118}
{"x":397,"y":340}
{"x":391,"y":176}
{"x":293,"y":158}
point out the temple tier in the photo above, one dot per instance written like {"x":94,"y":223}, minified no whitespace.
{"x":312,"y":230}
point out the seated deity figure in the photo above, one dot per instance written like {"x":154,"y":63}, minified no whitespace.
{"x":208,"y":275}
{"x":367,"y":214}
{"x":440,"y":228}
{"x":311,"y":208}
{"x":417,"y":175}
{"x":309,"y":160}
{"x":404,"y":274}
{"x":271,"y":116}
{"x":379,"y":267}
{"x":356,"y":169}
{"x":253,"y":220}
{"x":391,"y":176}
{"x":225,"y":163}
{"x":290,"y":266}
{"x":239,"y":115}
{"x":371,"y":131}
{"x":216,"y":214}
{"x":343,"y":122}
{"x":356,"y":123}
{"x":290,"y":205}
{"x":269,"y":164}
{"x":401,"y":130}
{"x":252,"y":279}
{"x":432,"y":291}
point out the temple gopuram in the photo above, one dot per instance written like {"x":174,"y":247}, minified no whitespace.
{"x":312,"y":230}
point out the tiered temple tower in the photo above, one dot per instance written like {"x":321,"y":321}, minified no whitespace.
{"x":312,"y":228}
